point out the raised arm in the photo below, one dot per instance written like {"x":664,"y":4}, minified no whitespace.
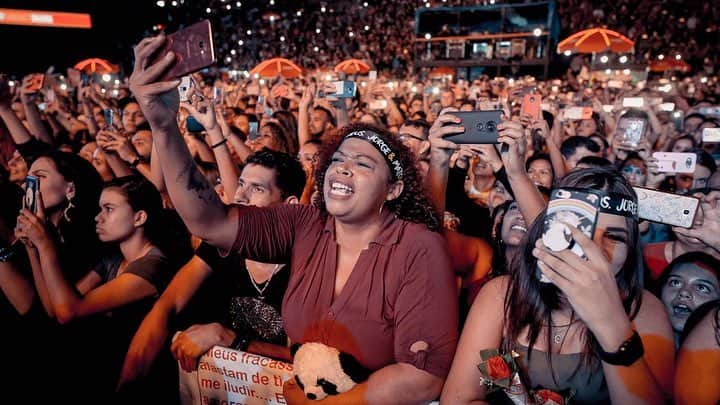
{"x":205,"y":114}
{"x":441,"y":151}
{"x":17,"y":130}
{"x":192,"y":195}
{"x":32,"y":113}
{"x":304,"y":113}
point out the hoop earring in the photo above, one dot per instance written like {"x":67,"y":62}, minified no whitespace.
{"x":381,"y":208}
{"x":66,"y":214}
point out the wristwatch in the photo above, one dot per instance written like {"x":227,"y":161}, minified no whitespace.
{"x":628,"y":353}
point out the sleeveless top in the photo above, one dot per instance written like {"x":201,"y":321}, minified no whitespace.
{"x":587,"y":383}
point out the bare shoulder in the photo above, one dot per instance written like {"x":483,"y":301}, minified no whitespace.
{"x":652,"y":318}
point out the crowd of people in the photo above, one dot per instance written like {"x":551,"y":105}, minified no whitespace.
{"x":322,"y":35}
{"x":257,"y":213}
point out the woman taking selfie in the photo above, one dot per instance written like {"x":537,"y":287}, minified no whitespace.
{"x":368,"y":268}
{"x":591,"y":331}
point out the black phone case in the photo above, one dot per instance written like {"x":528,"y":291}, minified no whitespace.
{"x":480,"y":127}
{"x":577,"y":207}
{"x":193,"y":48}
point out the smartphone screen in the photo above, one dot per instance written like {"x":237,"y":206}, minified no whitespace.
{"x":633,"y":102}
{"x":192,"y":125}
{"x":32,"y":185}
{"x":480,"y":127}
{"x":631,"y":131}
{"x":253,"y":131}
{"x":569,"y":206}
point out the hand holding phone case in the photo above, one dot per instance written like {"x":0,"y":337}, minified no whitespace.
{"x":531,"y":106}
{"x":480,"y":127}
{"x":569,"y":206}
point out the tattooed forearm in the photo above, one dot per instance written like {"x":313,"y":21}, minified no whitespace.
{"x":197,"y":183}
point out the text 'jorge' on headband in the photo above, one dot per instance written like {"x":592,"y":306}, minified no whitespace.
{"x":391,"y":156}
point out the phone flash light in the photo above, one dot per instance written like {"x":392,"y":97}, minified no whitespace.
{"x":413,"y":89}
{"x":62,"y":86}
{"x":435,"y":90}
{"x":703,"y":80}
{"x":262,"y":82}
{"x":11,"y":83}
{"x":676,"y":114}
{"x":256,"y":76}
{"x":328,"y":78}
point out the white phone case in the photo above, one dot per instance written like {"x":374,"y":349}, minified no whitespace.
{"x":666,"y":208}
{"x":671,"y":162}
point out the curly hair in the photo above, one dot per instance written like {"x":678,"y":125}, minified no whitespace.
{"x":412,"y":205}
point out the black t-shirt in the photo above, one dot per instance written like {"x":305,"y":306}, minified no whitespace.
{"x":229,"y":295}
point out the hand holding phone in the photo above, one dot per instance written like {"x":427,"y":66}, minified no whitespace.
{"x":193,"y":50}
{"x":669,"y":162}
{"x":480,"y":127}
{"x":253,"y":132}
{"x":576,"y":207}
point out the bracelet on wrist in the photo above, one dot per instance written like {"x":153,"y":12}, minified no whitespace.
{"x":220,"y":143}
{"x":630,"y":351}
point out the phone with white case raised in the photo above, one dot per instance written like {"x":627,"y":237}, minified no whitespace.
{"x":666,"y":208}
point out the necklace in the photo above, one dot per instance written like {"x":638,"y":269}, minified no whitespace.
{"x":261,"y":291}
{"x":561,"y":330}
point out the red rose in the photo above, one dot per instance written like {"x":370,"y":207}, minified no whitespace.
{"x":546,"y":396}
{"x":497,"y":368}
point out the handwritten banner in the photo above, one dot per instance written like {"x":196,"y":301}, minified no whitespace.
{"x":230,"y":377}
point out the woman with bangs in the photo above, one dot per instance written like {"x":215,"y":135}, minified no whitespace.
{"x":369,"y":268}
{"x":583,"y":327}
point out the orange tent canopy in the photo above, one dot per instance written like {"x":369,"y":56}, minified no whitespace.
{"x":442,"y":71}
{"x":352,"y":67}
{"x":277,"y":66}
{"x":96,"y":65}
{"x":670,"y":64}
{"x":596,"y":40}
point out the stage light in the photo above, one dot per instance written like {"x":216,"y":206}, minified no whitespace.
{"x":367,"y":28}
{"x":322,"y":9}
{"x":282,"y":39}
{"x":626,"y":72}
{"x":608,"y":71}
{"x":317,"y":30}
{"x":11,"y":83}
{"x":233,"y":52}
{"x":249,"y":32}
{"x":228,"y":7}
{"x":623,"y":59}
{"x":241,"y":42}
{"x":703,"y":80}
{"x":350,"y":34}
{"x":238,"y":4}
{"x":428,"y":5}
{"x":272,"y":2}
{"x":604,"y":59}
{"x":365,"y":4}
{"x":661,"y":57}
{"x":678,"y":57}
{"x":316,"y":49}
{"x":117,"y":82}
{"x":228,"y":59}
{"x":63,"y":86}
{"x":428,"y":36}
{"x":174,"y":3}
{"x":537,"y":32}
{"x":567,"y":53}
{"x":262,"y":82}
{"x":208,"y":10}
{"x":299,"y":13}
{"x":256,"y":76}
{"x":106,"y":77}
{"x":160,"y":3}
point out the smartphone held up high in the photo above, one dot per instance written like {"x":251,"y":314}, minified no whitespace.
{"x":193,"y":49}
{"x":32,"y":185}
{"x":480,"y":127}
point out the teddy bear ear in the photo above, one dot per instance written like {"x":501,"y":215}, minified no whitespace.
{"x":294,"y":348}
{"x":356,"y":371}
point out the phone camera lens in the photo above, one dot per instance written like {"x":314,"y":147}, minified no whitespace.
{"x":479,"y":126}
{"x":686,"y":212}
{"x":491,"y":125}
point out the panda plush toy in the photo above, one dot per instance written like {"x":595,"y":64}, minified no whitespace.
{"x":322,"y":370}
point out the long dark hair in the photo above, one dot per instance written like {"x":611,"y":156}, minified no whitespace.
{"x":529,"y":303}
{"x":158,"y":228}
{"x":412,"y":205}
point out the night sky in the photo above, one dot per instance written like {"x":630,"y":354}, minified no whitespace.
{"x":116,"y":26}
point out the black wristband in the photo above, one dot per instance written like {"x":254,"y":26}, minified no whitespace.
{"x":135,"y":162}
{"x":219,"y":143}
{"x":628,"y":353}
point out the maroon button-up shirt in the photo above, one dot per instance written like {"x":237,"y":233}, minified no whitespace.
{"x":399,"y":304}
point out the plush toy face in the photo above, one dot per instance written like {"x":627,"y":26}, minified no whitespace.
{"x":319,"y":371}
